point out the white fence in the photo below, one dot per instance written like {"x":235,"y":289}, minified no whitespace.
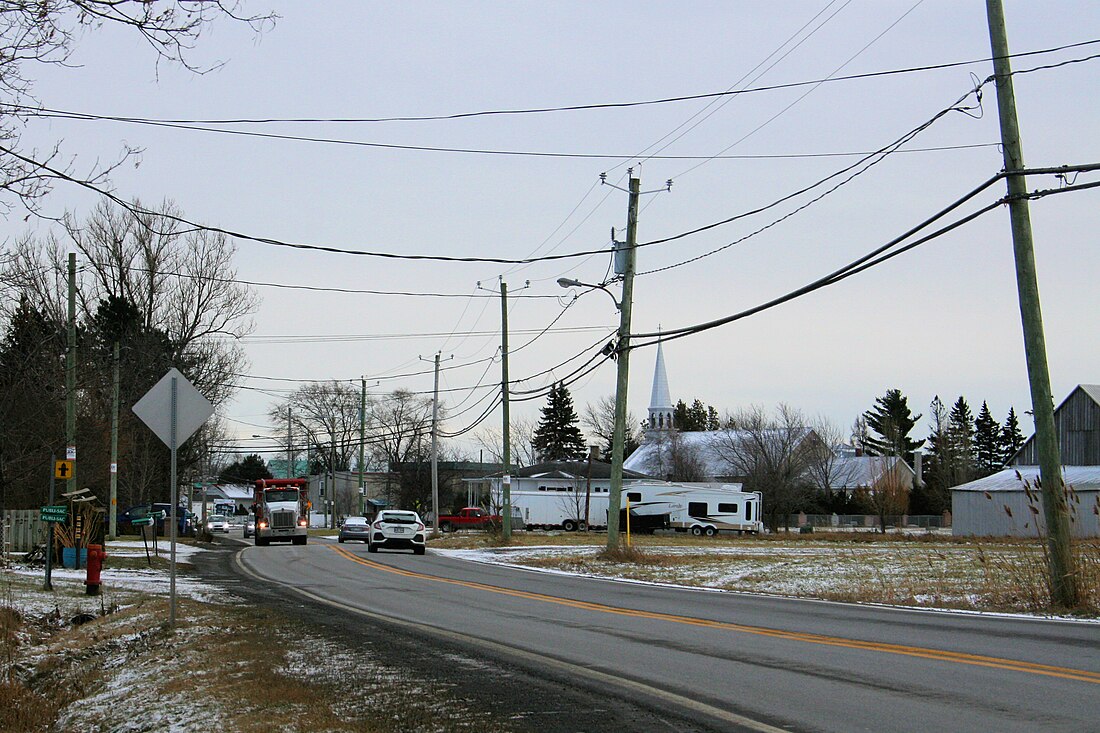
{"x":23,"y":530}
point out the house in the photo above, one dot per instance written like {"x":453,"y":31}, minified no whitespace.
{"x":1008,"y":503}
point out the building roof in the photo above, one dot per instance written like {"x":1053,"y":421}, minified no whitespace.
{"x":568,"y":470}
{"x":236,"y":492}
{"x":647,"y":458}
{"x":1081,"y":478}
{"x":851,"y":472}
{"x":1093,"y":393}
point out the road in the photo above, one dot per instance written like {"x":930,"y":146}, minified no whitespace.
{"x":741,"y":662}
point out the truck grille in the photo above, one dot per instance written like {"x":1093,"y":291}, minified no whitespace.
{"x":282,"y":520}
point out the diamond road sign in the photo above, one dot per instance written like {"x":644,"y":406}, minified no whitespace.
{"x":155,"y":408}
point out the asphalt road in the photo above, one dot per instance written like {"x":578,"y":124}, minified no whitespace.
{"x":728,"y":661}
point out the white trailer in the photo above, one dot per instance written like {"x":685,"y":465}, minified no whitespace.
{"x":560,"y":507}
{"x":701,"y":510}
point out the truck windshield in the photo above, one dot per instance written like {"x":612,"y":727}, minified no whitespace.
{"x":281,"y":495}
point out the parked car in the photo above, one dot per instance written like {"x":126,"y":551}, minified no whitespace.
{"x":354,"y":528}
{"x":250,"y":527}
{"x":186,"y":521}
{"x":218,"y":523}
{"x":396,"y":529}
{"x":471,"y":517}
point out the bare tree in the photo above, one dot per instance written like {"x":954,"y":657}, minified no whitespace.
{"x":674,"y":458}
{"x":826,"y":468}
{"x":599,"y":421}
{"x":521,"y":449}
{"x":324,"y":417}
{"x":35,"y":32}
{"x":888,"y":493}
{"x":770,"y":454}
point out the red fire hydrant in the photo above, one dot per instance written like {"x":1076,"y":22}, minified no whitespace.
{"x":96,"y":556}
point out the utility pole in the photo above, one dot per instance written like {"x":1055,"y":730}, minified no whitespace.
{"x":435,"y":445}
{"x":362,"y":438}
{"x":70,"y":378}
{"x":506,"y":458}
{"x":622,"y":349}
{"x":1062,"y":571}
{"x":289,"y":428}
{"x":114,"y":452}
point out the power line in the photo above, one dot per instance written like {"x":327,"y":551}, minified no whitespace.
{"x":878,"y":255}
{"x":559,"y":108}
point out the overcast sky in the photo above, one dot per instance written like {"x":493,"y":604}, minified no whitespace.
{"x":941,"y":319}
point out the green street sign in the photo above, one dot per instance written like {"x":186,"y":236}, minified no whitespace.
{"x":157,"y":515}
{"x":143,"y":522}
{"x":54,"y":513}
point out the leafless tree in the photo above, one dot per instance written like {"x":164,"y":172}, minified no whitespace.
{"x":37,"y":32}
{"x":323,"y":417}
{"x":676,"y":459}
{"x":770,"y":454}
{"x":826,"y":468}
{"x":599,"y":420}
{"x":888,"y":493}
{"x":521,"y":450}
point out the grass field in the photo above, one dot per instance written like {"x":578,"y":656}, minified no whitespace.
{"x":921,"y":570}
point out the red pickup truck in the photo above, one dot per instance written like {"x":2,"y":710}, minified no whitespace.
{"x":471,"y":517}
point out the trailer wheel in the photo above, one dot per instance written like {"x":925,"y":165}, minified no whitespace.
{"x":710,"y":531}
{"x":569,"y":525}
{"x":697,"y":531}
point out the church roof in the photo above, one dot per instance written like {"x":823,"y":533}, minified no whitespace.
{"x":661,"y":398}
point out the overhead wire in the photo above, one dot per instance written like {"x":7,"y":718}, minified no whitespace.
{"x":26,"y":109}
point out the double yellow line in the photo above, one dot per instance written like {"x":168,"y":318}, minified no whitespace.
{"x":976,"y":660}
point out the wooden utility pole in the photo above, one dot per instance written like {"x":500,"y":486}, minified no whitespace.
{"x":113,"y":504}
{"x":622,"y":349}
{"x":506,"y":458}
{"x":1055,"y":512}
{"x":362,"y":439}
{"x":70,"y":379}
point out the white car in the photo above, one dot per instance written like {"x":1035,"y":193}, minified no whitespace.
{"x":217,"y":524}
{"x":396,"y":529}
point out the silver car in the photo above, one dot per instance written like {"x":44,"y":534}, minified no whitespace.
{"x":217,"y":523}
{"x":396,"y":529}
{"x":354,"y":528}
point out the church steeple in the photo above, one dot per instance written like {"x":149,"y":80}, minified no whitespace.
{"x":660,"y":401}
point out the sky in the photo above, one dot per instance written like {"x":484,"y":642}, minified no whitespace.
{"x":941,"y":319}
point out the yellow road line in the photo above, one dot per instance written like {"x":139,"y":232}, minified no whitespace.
{"x":909,"y":651}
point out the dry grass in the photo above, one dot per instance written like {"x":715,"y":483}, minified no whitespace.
{"x":917,"y":570}
{"x":232,"y":667}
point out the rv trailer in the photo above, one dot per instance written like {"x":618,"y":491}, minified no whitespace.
{"x":701,"y":510}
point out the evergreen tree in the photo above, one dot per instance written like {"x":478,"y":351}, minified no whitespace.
{"x":1010,"y":439}
{"x":892,"y":421}
{"x":558,"y":436}
{"x":960,"y":439}
{"x":245,"y":471}
{"x":934,"y":496}
{"x":987,"y":448}
{"x":697,"y":418}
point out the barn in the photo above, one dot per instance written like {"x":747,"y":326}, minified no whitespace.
{"x":1008,"y":503}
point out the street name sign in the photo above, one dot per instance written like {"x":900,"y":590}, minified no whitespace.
{"x":54,"y":513}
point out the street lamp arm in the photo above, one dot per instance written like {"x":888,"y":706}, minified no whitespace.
{"x":566,"y":282}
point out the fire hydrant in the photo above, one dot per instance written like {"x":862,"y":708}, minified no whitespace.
{"x":96,"y":556}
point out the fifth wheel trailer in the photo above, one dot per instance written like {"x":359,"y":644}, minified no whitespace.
{"x":701,"y":510}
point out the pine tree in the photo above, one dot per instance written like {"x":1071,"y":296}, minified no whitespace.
{"x":1010,"y":439}
{"x":558,"y":436}
{"x":697,"y":418}
{"x":960,"y":440}
{"x":987,"y":449}
{"x":934,"y":496}
{"x":892,"y":421}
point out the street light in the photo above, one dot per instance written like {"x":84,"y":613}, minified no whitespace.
{"x":566,"y":282}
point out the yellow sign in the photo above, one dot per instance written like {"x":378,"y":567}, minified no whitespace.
{"x":63,"y":469}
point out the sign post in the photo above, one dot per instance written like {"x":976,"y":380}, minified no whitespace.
{"x":174,"y":410}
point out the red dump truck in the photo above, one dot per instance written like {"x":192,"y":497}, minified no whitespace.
{"x":282,"y":510}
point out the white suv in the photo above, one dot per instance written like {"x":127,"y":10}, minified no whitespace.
{"x":395,"y":529}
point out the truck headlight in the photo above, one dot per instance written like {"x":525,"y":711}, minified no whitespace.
{"x":302,"y":522}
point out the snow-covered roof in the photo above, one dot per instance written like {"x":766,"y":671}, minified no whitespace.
{"x":236,"y":492}
{"x":1081,"y":478}
{"x":851,"y":472}
{"x":647,"y":458}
